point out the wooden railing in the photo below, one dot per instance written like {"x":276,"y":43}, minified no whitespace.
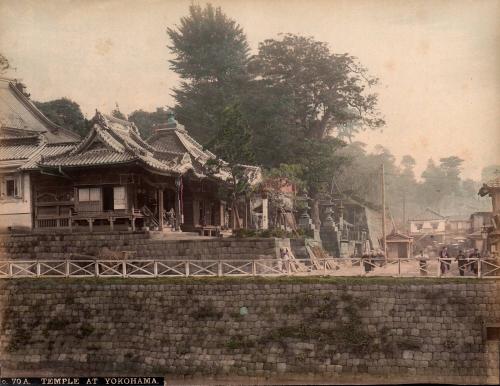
{"x":479,"y":268}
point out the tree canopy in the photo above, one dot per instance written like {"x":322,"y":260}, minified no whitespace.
{"x":66,"y":113}
{"x":210,"y":55}
{"x":145,"y":121}
{"x":328,"y":91}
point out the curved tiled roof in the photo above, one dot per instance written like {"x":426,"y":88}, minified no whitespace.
{"x":18,"y":112}
{"x":111,"y":141}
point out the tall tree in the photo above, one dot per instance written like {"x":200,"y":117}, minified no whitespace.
{"x":233,"y":144}
{"x":66,"y":113}
{"x":328,"y":91}
{"x":210,"y":55}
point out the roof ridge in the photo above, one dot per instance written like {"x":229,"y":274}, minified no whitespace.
{"x":35,"y":111}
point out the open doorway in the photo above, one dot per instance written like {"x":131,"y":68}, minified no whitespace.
{"x":107,"y":198}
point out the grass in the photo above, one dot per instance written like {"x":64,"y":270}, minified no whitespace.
{"x":337,"y":280}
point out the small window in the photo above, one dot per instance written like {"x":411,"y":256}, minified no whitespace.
{"x":11,"y":188}
{"x":89,"y":194}
{"x":119,"y":197}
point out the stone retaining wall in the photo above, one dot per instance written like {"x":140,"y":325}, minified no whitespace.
{"x":62,"y":246}
{"x":334,"y":330}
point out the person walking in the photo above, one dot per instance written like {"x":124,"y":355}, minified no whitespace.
{"x":445,"y":261}
{"x":475,"y":263}
{"x":423,"y":263}
{"x":462,"y":262}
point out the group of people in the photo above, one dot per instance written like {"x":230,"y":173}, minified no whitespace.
{"x":465,"y":263}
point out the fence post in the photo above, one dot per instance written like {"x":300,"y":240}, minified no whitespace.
{"x":479,"y":270}
{"x":219,"y":268}
{"x":399,"y":267}
{"x":124,"y":269}
{"x":254,"y":268}
{"x":66,"y":268}
{"x":187,"y":268}
{"x":155,"y":268}
{"x":96,"y":268}
{"x":38,"y":268}
{"x":439,"y":267}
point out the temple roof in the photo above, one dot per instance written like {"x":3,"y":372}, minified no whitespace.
{"x":19,"y":115}
{"x":113,"y":141}
{"x":428,"y":215}
{"x":491,"y":185}
{"x":171,"y":140}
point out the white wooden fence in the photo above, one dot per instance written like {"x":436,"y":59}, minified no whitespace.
{"x":433,"y":267}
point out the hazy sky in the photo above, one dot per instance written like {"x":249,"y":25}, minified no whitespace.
{"x":438,"y":61}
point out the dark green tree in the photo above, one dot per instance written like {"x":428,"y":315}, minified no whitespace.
{"x":145,"y":121}
{"x":66,"y":113}
{"x":210,"y":55}
{"x":232,"y":144}
{"x":328,"y":91}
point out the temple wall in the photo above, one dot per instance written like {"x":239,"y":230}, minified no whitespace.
{"x":309,"y":330}
{"x":138,"y":245}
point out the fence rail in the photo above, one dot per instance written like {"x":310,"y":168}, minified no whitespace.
{"x":433,"y":267}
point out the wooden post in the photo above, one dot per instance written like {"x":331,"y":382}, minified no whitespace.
{"x":178,"y":209}
{"x":160,"y":209}
{"x":383,"y":213}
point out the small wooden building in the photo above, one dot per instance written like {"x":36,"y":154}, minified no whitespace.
{"x":399,"y":245}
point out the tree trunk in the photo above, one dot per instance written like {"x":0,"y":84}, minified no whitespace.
{"x":236,"y":216}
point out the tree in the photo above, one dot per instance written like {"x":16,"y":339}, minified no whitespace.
{"x":232,"y":144}
{"x":66,"y":113}
{"x":146,"y":120}
{"x":489,"y":172}
{"x":210,"y":55}
{"x":327,"y":90}
{"x":4,"y":64}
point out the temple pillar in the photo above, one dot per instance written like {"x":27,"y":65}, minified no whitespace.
{"x":265,"y":213}
{"x":178,"y":205}
{"x":160,"y":209}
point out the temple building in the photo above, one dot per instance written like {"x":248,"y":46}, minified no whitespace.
{"x":111,"y":179}
{"x":25,"y":135}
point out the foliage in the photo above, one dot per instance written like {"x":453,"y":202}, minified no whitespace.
{"x":232,"y":144}
{"x":145,"y":120}
{"x":441,"y":187}
{"x":327,"y":90}
{"x":4,"y":64}
{"x":65,"y":113}
{"x":118,"y":114}
{"x":210,"y":55}
{"x":489,"y":172}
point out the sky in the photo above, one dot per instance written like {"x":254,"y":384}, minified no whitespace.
{"x":438,"y":62}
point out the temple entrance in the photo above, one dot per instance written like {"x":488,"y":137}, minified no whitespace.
{"x":107,"y":198}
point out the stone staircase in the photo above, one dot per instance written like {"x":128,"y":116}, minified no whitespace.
{"x":139,"y":245}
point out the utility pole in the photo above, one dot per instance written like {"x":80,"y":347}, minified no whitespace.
{"x":404,"y":209}
{"x":383,"y":212}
